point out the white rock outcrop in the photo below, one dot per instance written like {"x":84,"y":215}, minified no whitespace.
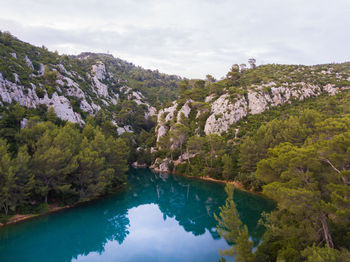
{"x":62,"y":107}
{"x":185,"y":110}
{"x":167,"y":114}
{"x":161,"y":165}
{"x":28,"y":62}
{"x":257,"y":102}
{"x":98,"y":72}
{"x":11,"y":92}
{"x":124,"y":129}
{"x":224,"y":114}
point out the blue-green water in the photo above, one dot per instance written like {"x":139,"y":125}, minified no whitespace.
{"x":157,"y":217}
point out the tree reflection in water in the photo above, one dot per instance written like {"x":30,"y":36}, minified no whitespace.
{"x":87,"y":228}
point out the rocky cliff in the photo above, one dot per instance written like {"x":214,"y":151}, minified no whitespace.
{"x":217,"y":107}
{"x":227,"y":108}
{"x":76,"y":86}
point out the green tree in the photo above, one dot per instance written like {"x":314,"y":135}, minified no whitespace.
{"x":90,"y":180}
{"x":25,"y":180}
{"x":227,"y":168}
{"x":178,"y":136}
{"x":216,"y":147}
{"x":51,"y":115}
{"x":244,"y":246}
{"x":53,"y":161}
{"x":233,"y":76}
{"x":7,"y":179}
{"x":184,"y":85}
{"x":325,"y":254}
{"x":230,"y":228}
{"x":228,"y":220}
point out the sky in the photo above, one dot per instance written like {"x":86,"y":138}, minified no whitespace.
{"x":190,"y":38}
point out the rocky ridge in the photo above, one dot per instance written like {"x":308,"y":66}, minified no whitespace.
{"x":225,"y":110}
{"x":74,"y":86}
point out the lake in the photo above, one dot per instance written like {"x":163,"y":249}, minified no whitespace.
{"x":156,"y":217}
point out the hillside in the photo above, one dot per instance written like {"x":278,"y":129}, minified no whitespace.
{"x":279,"y":129}
{"x":71,"y":126}
{"x":226,"y":107}
{"x":78,"y":86}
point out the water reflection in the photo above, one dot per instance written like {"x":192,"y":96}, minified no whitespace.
{"x":141,"y":222}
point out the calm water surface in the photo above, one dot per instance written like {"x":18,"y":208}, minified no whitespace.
{"x":157,"y":217}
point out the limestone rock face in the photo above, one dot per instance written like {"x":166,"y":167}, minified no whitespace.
{"x":63,"y":70}
{"x":11,"y":92}
{"x":161,"y":165}
{"x":168,"y":112}
{"x":152,"y":111}
{"x":124,"y":129}
{"x":99,"y":70}
{"x":224,"y":114}
{"x":258,"y":102}
{"x":162,"y":130}
{"x":83,"y":84}
{"x":260,"y":98}
{"x":185,"y":110}
{"x":28,"y":62}
{"x":62,"y":107}
{"x":164,"y":166}
{"x":226,"y":111}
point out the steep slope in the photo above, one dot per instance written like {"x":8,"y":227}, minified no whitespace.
{"x":231,"y":101}
{"x":222,"y":107}
{"x":78,"y":86}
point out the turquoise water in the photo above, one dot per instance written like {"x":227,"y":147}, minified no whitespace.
{"x":157,"y":217}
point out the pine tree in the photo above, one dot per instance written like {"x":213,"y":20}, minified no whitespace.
{"x":228,"y":221}
{"x":244,"y":246}
{"x":227,"y":169}
{"x":230,"y":228}
{"x":51,"y":115}
{"x":7,"y":179}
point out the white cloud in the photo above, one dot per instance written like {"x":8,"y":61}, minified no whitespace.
{"x":189,"y":38}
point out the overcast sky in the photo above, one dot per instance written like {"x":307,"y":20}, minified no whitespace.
{"x":190,"y":38}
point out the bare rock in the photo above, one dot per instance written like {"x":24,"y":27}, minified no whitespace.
{"x":224,"y":114}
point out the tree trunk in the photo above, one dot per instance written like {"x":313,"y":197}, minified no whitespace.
{"x":188,"y":158}
{"x":326,"y":234}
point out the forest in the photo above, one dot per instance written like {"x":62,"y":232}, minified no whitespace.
{"x":55,"y":162}
{"x":297,"y":154}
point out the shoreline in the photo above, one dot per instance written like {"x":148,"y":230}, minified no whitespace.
{"x":236,"y":184}
{"x":18,"y":218}
{"x":53,"y":208}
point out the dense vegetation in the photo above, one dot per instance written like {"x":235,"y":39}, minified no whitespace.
{"x":301,"y":159}
{"x":234,"y":155}
{"x":50,"y":161}
{"x":297,"y":154}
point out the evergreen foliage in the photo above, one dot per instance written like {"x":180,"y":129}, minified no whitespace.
{"x":53,"y":162}
{"x":231,"y":229}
